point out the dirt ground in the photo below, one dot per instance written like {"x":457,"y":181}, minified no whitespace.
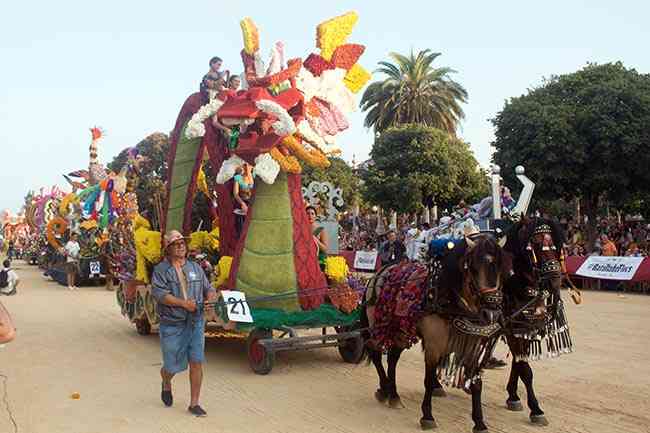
{"x":78,"y":342}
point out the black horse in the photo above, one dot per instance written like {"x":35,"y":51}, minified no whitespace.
{"x":537,"y":325}
{"x":454,"y":307}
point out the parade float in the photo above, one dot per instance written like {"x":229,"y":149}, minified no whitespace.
{"x":89,"y":210}
{"x":288,"y":115}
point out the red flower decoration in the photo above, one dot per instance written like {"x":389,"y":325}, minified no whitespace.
{"x":317,"y":64}
{"x":345,"y":56}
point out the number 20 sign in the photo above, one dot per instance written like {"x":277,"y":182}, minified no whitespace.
{"x":236,"y":306}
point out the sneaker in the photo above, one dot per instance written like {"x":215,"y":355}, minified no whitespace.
{"x":167,"y":397}
{"x":70,"y":288}
{"x":197,"y":411}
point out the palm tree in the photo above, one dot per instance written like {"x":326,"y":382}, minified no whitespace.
{"x":414,"y":92}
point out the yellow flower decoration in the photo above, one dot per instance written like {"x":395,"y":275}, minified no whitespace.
{"x":251,"y":36}
{"x":139,"y":222}
{"x":222,"y":271}
{"x":205,"y":241}
{"x":202,"y":183}
{"x":334,"y":32}
{"x":336,"y":269}
{"x":88,"y":224}
{"x":314,"y":157}
{"x":65,"y":203}
{"x":287,"y":163}
{"x":147,"y":249}
{"x":356,"y":78}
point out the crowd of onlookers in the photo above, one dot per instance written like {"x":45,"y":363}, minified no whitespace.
{"x":615,"y":238}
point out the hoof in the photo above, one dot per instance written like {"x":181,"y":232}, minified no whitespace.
{"x":439,"y":392}
{"x":483,"y":429}
{"x":514,"y":405}
{"x":428,"y":424}
{"x":381,"y":396}
{"x":396,"y":403}
{"x":539,"y":420}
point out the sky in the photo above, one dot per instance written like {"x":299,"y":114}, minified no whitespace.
{"x":127,"y":66}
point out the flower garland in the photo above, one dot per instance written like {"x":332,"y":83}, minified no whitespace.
{"x":56,"y":226}
{"x":314,"y":158}
{"x":285,"y":124}
{"x":195,"y":127}
{"x":266,"y":168}
{"x":288,"y":163}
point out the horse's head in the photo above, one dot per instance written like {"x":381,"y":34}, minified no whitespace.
{"x":536,"y":245}
{"x":485,"y":267}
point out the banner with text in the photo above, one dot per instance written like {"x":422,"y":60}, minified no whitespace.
{"x":610,"y":268}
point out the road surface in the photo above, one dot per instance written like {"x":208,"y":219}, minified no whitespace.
{"x":71,"y":342}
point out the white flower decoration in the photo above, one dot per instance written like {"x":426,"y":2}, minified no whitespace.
{"x":195,"y":127}
{"x":266,"y":168}
{"x":227,"y":170}
{"x":284,"y":125}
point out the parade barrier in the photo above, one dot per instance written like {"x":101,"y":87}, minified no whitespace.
{"x":633,"y":269}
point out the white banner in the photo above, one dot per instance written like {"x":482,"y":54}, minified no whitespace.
{"x":366,"y":260}
{"x":610,"y":268}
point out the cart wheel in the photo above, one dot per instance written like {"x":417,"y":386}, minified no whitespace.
{"x":352,"y":350}
{"x":260,"y":359}
{"x":143,"y":326}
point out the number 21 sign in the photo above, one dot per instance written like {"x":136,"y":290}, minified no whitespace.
{"x":236,"y":306}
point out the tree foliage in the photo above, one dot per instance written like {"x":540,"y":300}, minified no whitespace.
{"x":415,"y":166}
{"x":414,"y":91}
{"x":584,"y":134}
{"x":149,"y":183}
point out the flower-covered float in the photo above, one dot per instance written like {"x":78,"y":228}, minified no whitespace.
{"x":289,"y":114}
{"x":89,"y":210}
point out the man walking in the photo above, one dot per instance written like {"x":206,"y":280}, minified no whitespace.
{"x":72,"y":250}
{"x":180,"y":287}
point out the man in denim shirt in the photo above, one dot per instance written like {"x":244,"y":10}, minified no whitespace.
{"x":180,"y":286}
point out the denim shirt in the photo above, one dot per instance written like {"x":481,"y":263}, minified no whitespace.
{"x":165,"y":282}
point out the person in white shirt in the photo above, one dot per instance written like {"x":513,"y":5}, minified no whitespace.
{"x":71,"y":251}
{"x":8,"y":279}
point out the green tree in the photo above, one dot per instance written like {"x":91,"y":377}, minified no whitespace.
{"x":583,"y":135}
{"x":415,"y":166}
{"x":414,"y":91}
{"x":149,"y":182}
{"x":341,"y":175}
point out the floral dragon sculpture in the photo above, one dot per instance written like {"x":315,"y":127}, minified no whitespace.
{"x":287,"y":116}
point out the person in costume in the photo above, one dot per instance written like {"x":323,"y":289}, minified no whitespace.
{"x":180,"y":287}
{"x":242,"y":190}
{"x":320,"y":236}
